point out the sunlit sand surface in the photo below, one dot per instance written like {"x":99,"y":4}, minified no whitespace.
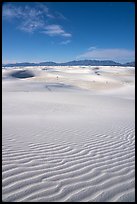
{"x":68,"y":134}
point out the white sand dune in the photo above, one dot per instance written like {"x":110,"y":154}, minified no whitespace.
{"x":71,"y":138}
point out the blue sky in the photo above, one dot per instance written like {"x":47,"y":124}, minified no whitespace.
{"x":65,"y":31}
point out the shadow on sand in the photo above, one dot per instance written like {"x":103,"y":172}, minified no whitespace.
{"x":22,"y":74}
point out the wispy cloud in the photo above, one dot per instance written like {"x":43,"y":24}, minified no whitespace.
{"x":32,"y":17}
{"x":23,"y":11}
{"x":65,"y":42}
{"x":92,"y":48}
{"x":60,"y":15}
{"x":110,"y":54}
{"x":10,"y":11}
{"x":30,"y":25}
{"x":56,"y":30}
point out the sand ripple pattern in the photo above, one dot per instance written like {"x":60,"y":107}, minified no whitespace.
{"x":99,"y":169}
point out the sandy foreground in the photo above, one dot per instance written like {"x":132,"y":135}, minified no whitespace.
{"x":68,"y":134}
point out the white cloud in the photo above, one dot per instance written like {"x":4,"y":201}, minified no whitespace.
{"x":109,"y":54}
{"x":54,"y":30}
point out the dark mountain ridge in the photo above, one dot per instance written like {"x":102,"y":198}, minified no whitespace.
{"x":73,"y":63}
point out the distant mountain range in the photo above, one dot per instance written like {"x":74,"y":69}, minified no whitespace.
{"x":73,"y":63}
